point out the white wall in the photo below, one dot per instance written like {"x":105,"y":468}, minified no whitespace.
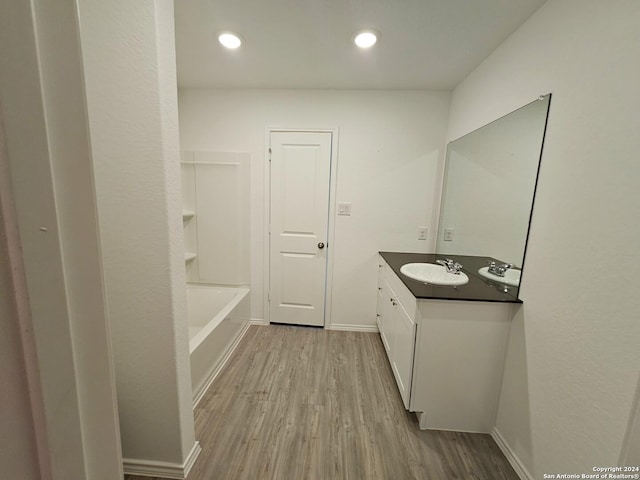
{"x":573,"y":357}
{"x":129,"y":60}
{"x":18,"y":439}
{"x":72,"y":392}
{"x":389,"y":151}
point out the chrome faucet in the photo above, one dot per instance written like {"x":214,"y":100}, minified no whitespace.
{"x":450,"y":265}
{"x":499,"y":270}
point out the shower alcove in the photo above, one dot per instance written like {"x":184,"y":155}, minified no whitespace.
{"x":215,"y":216}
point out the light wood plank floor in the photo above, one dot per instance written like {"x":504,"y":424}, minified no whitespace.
{"x":297,"y":403}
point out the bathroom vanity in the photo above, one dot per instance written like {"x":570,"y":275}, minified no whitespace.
{"x":446,"y":345}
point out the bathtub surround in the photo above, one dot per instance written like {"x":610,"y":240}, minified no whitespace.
{"x":215,"y":202}
{"x":131,"y":98}
{"x":215,"y":188}
{"x":572,"y":360}
{"x":389,"y":153}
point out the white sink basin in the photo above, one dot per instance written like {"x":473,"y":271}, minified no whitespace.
{"x":433,"y":274}
{"x":511,"y":276}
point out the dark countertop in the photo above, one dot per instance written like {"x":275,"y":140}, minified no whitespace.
{"x":478,"y":289}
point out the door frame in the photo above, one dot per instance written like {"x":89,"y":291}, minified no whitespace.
{"x":333,"y":169}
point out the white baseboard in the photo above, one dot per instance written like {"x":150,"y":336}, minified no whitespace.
{"x":205,"y":386}
{"x":148,"y":468}
{"x":191,"y":458}
{"x":515,"y":462}
{"x":334,"y":326}
{"x":422,"y":420}
{"x":258,"y":321}
{"x":353,"y":328}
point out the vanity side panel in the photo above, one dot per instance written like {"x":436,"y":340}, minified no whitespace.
{"x":460,"y":349}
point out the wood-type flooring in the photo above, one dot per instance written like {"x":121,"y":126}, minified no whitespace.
{"x":301,"y":403}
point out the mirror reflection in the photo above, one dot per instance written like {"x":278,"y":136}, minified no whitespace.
{"x":488,"y":191}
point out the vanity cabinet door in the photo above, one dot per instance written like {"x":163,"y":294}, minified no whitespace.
{"x":396,"y":322}
{"x":404,"y":330}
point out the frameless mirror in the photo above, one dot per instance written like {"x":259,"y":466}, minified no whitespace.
{"x":488,"y":191}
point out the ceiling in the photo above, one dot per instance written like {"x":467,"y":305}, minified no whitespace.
{"x":424,"y":44}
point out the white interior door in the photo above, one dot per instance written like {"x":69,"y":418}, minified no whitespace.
{"x":300,"y":179}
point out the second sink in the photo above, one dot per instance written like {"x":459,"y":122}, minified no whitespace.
{"x":511,"y":276}
{"x":433,"y":274}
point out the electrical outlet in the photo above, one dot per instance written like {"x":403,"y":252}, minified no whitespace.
{"x":344,"y":209}
{"x":422,"y":233}
{"x":448,"y":235}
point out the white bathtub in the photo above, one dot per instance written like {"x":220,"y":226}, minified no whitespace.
{"x":217,"y":316}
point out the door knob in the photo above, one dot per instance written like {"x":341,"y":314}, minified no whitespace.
{"x":321,"y":245}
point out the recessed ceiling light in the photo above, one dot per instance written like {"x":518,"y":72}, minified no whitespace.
{"x":229,"y":40}
{"x":366,"y":38}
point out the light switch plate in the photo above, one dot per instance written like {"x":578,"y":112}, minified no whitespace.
{"x":344,"y":208}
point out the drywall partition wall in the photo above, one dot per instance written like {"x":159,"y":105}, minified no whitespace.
{"x":18,"y":444}
{"x":18,"y":439}
{"x":215,"y":186}
{"x":389,"y":148}
{"x":66,"y":118}
{"x":572,"y":362}
{"x":129,"y":64}
{"x":42,"y":94}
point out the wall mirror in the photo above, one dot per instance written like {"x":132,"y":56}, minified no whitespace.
{"x":488,"y":192}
